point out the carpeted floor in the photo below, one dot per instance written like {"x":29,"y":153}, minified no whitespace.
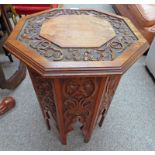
{"x":129,"y":125}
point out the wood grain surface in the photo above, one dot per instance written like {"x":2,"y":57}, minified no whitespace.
{"x":77,"y":31}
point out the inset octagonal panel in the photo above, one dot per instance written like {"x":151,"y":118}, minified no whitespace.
{"x":77,"y":31}
{"x":62,"y":42}
{"x":76,"y":35}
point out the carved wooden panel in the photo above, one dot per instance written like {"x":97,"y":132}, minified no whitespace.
{"x":79,"y":100}
{"x":44,"y":92}
{"x":110,"y":89}
{"x":110,"y":50}
{"x":79,"y":97}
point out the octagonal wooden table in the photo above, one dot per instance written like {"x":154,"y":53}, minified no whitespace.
{"x":75,"y":59}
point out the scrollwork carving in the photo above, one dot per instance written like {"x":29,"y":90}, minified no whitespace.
{"x":113,"y":48}
{"x":44,"y":91}
{"x":78,"y":100}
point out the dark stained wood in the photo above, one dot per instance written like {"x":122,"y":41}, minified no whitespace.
{"x":73,"y":84}
{"x":15,"y":79}
{"x":20,"y":74}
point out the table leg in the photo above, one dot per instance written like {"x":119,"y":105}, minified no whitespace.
{"x":106,"y":92}
{"x":44,"y":92}
{"x":110,"y":89}
{"x":15,"y":79}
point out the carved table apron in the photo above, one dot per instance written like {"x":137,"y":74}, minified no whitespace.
{"x":75,"y":60}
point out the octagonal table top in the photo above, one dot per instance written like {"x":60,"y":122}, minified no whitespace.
{"x":62,"y":42}
{"x":77,"y":31}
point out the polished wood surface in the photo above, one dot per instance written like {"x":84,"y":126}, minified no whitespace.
{"x":75,"y":84}
{"x":6,"y":104}
{"x":60,"y":69}
{"x":66,"y":31}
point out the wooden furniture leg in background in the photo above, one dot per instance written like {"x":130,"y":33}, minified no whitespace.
{"x":14,"y":80}
{"x":20,"y":74}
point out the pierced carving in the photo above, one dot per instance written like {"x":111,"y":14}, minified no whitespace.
{"x":79,"y":97}
{"x":108,"y":95}
{"x":44,"y":91}
{"x":112,"y":49}
{"x":82,"y":99}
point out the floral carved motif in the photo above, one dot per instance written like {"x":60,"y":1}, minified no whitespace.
{"x":79,"y":96}
{"x":43,"y":89}
{"x":107,"y":52}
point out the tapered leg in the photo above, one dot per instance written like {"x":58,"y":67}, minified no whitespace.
{"x":95,"y":113}
{"x":59,"y":104}
{"x":79,"y":97}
